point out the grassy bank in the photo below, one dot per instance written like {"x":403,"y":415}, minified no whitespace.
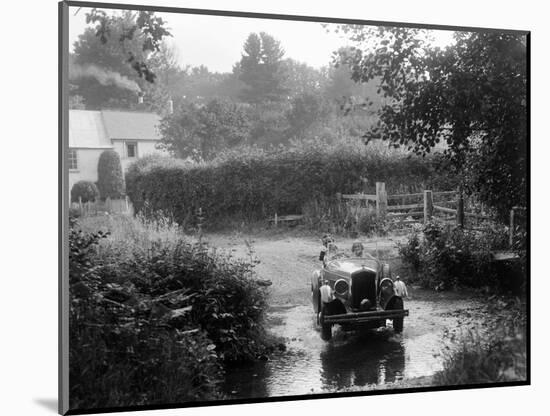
{"x":496,"y":353}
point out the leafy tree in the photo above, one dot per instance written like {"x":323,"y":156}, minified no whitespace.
{"x":201,"y":131}
{"x":261,"y":69}
{"x":470,"y":95}
{"x":199,"y":84}
{"x":344,"y":90}
{"x":270,"y":124}
{"x":110,"y":181}
{"x":146,"y":27}
{"x":109,"y":57}
{"x":300,"y":78}
{"x":168,"y":80}
{"x":307,"y":109}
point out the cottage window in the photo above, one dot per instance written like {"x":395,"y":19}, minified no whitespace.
{"x":73,"y":160}
{"x":131,"y":149}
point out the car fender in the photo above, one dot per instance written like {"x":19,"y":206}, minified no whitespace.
{"x":386,"y":292}
{"x":394,"y":303}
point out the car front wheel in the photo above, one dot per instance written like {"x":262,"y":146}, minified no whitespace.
{"x":326,"y":328}
{"x":398,"y":322}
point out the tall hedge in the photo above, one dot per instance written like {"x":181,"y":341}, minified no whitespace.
{"x":110,"y":180}
{"x":254,"y":184}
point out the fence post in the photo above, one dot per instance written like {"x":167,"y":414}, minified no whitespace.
{"x":80,"y":205}
{"x":460,"y":211}
{"x":428,"y":206}
{"x":275,"y":220}
{"x":126,"y":201}
{"x":512,"y":228}
{"x":381,"y":200}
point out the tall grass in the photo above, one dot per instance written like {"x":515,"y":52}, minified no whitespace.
{"x":137,"y":231}
{"x":499,"y":355}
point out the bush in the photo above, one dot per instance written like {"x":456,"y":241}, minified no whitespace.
{"x":370,"y":225}
{"x":84,"y":190}
{"x":477,"y":361}
{"x":499,"y":355}
{"x":155,"y":320}
{"x":444,"y":257}
{"x":253,"y":184}
{"x":110,"y":180}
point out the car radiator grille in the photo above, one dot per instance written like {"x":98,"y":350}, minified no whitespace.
{"x":363,"y":285}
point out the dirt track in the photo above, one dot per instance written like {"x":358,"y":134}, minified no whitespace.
{"x":375,"y":360}
{"x":289,"y":261}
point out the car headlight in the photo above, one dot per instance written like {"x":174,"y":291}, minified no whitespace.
{"x":341,"y":287}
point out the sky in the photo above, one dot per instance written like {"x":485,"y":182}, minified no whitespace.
{"x":217,"y":41}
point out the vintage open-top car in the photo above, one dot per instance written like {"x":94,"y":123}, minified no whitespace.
{"x":355,"y":292}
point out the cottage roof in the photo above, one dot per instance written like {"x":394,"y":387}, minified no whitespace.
{"x":131,"y":125}
{"x":86,"y":130}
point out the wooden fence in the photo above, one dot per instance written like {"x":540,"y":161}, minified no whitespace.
{"x":111,"y":206}
{"x":446,"y":206}
{"x":412,"y":208}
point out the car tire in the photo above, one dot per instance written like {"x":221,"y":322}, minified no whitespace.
{"x":398,"y":322}
{"x":398,"y":325}
{"x":326,"y":328}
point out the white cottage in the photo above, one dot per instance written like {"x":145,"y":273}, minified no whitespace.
{"x":130,"y":134}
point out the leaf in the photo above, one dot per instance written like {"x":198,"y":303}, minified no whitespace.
{"x":181,"y":311}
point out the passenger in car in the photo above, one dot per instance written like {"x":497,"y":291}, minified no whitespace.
{"x":357,"y":249}
{"x":332,"y":253}
{"x":326,"y":240}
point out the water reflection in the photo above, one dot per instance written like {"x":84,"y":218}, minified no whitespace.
{"x":359,"y":359}
{"x":311,"y":365}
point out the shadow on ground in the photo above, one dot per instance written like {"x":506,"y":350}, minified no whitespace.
{"x":49,"y":404}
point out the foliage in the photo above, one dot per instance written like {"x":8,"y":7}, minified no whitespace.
{"x":117,"y":57}
{"x":162,"y":316}
{"x":445,"y":257}
{"x":370,"y":225}
{"x":300,"y":78}
{"x":110,"y":180}
{"x":270,"y":125}
{"x":499,"y":356}
{"x":470,"y":96}
{"x":410,"y":250}
{"x":200,"y":132}
{"x":261,"y":68}
{"x":253,"y":183}
{"x":76,"y":102}
{"x":84,"y":191}
{"x":146,"y":26}
{"x":307,"y":108}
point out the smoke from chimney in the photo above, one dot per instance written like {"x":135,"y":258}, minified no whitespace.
{"x":103,"y":76}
